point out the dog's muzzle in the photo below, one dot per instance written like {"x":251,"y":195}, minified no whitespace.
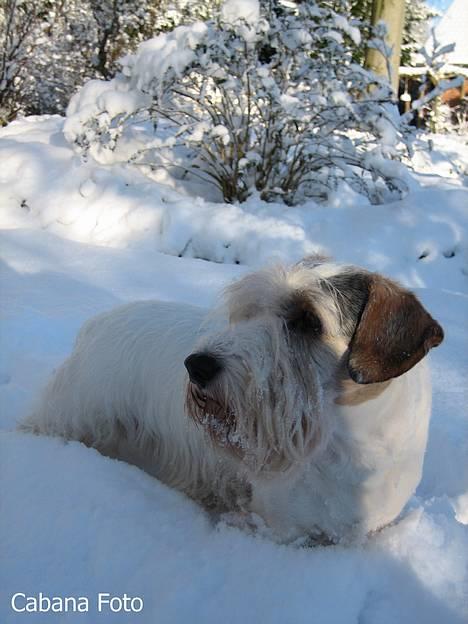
{"x":202,"y":368}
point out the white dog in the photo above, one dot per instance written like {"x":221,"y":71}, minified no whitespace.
{"x":305,"y":401}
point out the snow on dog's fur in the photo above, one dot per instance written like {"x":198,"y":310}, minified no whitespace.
{"x":306,"y":401}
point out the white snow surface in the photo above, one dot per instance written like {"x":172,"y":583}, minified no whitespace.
{"x":78,"y":238}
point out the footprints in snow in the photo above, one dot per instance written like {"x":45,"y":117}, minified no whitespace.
{"x":426,"y":253}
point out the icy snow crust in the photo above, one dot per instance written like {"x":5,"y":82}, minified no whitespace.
{"x":80,"y":238}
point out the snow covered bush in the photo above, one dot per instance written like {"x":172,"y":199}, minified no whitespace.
{"x":119,"y":26}
{"x":418,"y":17}
{"x":45,"y":53}
{"x":429,"y":107}
{"x":172,"y":13}
{"x":19,"y":29}
{"x":263,"y":98}
{"x":49,"y":48}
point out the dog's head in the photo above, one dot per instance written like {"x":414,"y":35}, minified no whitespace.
{"x":259,"y":386}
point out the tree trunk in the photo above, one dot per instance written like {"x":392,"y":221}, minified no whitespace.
{"x":392,"y":12}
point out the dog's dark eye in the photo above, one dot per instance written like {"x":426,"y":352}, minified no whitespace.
{"x":306,"y":322}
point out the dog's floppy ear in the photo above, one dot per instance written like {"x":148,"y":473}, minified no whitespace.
{"x":393,"y":333}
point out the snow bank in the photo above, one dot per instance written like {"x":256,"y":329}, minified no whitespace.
{"x":113,"y":528}
{"x":421,"y":240}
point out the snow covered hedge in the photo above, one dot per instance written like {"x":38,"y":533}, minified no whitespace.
{"x":265,"y":98}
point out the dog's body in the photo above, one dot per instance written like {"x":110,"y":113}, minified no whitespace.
{"x":268,"y":420}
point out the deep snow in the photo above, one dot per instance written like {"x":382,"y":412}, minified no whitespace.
{"x":79,"y":238}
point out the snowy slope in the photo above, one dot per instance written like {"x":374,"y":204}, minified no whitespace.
{"x":78,"y":239}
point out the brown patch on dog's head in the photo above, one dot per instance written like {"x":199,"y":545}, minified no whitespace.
{"x":393,"y":334}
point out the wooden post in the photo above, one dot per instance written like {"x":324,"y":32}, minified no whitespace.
{"x":392,"y":12}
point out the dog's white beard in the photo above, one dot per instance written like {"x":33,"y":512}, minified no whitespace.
{"x":266,"y":407}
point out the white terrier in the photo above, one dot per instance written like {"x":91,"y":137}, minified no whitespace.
{"x":305,"y":401}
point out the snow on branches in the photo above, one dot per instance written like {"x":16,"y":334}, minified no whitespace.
{"x":263,"y":98}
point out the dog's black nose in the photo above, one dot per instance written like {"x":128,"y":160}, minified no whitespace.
{"x":202,"y":368}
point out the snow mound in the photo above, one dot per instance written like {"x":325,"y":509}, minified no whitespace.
{"x":114,"y":528}
{"x":421,"y":240}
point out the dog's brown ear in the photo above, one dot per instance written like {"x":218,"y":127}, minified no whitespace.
{"x":393,"y":333}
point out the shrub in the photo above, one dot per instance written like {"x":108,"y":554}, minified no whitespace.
{"x":48,"y":48}
{"x":264,"y":98}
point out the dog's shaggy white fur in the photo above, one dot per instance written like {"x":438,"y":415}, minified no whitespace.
{"x":307,"y":401}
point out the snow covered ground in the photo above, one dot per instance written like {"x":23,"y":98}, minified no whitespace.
{"x":80,"y":238}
